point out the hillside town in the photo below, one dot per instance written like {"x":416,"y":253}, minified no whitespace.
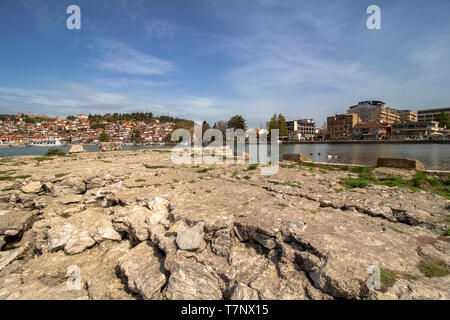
{"x":21,"y":129}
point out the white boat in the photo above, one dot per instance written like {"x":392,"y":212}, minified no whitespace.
{"x":45,"y":143}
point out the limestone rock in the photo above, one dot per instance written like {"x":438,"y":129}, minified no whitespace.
{"x":76,"y":148}
{"x":32,"y":187}
{"x":190,"y":239}
{"x":131,"y":220}
{"x":142,"y":269}
{"x":13,"y":222}
{"x":6,"y":257}
{"x":78,"y":242}
{"x":190,"y":280}
{"x":243,"y":292}
{"x":221,"y":243}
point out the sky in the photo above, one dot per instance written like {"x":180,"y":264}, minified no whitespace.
{"x":209,"y":60}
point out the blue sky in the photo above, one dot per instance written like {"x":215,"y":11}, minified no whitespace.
{"x":208,"y":59}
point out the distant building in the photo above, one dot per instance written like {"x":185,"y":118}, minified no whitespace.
{"x":340,"y":126}
{"x":420,"y":128}
{"x":408,"y":116}
{"x":432,"y":114}
{"x":304,"y":129}
{"x":82,"y":116}
{"x":370,"y":131}
{"x":375,"y":111}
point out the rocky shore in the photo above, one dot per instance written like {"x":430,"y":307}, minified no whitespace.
{"x":136,"y":226}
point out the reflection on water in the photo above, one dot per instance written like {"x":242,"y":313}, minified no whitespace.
{"x":433,"y":156}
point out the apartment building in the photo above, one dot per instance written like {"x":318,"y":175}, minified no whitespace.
{"x":304,"y":129}
{"x":420,"y":128}
{"x":407,"y":116}
{"x":375,"y":111}
{"x":370,"y":131}
{"x":432,"y":114}
{"x":340,"y":126}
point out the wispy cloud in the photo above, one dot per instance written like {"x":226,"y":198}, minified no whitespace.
{"x":121,"y":58}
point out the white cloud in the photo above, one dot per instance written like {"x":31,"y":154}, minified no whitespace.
{"x":120,"y":58}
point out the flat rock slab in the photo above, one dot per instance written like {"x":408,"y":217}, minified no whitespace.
{"x":190,"y":280}
{"x":142,"y":269}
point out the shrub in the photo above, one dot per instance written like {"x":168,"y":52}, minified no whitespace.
{"x":55,"y":152}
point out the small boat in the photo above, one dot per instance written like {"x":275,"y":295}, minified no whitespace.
{"x":45,"y":143}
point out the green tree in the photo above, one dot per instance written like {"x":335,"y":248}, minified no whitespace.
{"x":444,"y":120}
{"x":282,"y":126}
{"x":237,"y":122}
{"x":104,"y":137}
{"x":274,"y":124}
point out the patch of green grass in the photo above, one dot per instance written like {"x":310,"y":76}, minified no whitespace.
{"x":433,"y":268}
{"x":288,"y":166}
{"x":313,"y":211}
{"x":312,"y":166}
{"x":106,"y":161}
{"x":354,"y":182}
{"x":65,"y":215}
{"x":419,"y":182}
{"x":338,"y":190}
{"x":234,"y":174}
{"x":175,"y":180}
{"x":205,"y":170}
{"x":244,"y":204}
{"x":7,"y":172}
{"x":10,"y":178}
{"x":6,"y":160}
{"x":246,"y":177}
{"x":253,"y":166}
{"x":43,"y":158}
{"x":20,"y":163}
{"x":60,"y":175}
{"x":154,"y":167}
{"x":55,"y":152}
{"x":139,"y":180}
{"x":193,"y":181}
{"x":195,"y":167}
{"x":281,"y":204}
{"x":396,"y":230}
{"x":389,"y":277}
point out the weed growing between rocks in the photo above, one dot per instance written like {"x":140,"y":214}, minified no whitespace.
{"x":154,"y":167}
{"x":55,"y":152}
{"x":433,"y":268}
{"x":420,"y":181}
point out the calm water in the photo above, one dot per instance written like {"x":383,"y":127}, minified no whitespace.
{"x":433,"y":156}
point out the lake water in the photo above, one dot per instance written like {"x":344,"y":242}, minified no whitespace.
{"x":433,"y":156}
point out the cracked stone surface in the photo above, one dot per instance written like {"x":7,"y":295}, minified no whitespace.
{"x":173,"y":232}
